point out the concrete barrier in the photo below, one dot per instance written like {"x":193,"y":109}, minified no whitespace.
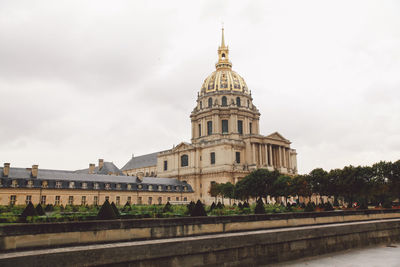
{"x":229,"y":249}
{"x":28,"y":236}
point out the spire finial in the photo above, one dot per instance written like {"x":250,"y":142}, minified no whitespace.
{"x":223,"y":39}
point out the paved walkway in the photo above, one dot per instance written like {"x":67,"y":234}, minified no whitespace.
{"x":384,"y":255}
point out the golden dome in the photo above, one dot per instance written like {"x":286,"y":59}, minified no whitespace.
{"x":224,"y":78}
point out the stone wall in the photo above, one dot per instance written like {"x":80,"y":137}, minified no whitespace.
{"x":29,"y":236}
{"x":228,"y":249}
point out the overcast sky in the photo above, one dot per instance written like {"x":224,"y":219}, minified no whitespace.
{"x":82,"y":80}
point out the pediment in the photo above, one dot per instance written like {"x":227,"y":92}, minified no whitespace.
{"x":277,"y":136}
{"x":182,"y":146}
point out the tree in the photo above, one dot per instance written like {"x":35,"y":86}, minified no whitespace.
{"x":228,"y":191}
{"x":106,"y":212}
{"x":282,"y":187}
{"x":214,"y":190}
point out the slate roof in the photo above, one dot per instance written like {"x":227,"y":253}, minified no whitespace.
{"x":141,"y":161}
{"x":108,"y":167}
{"x":22,"y":175}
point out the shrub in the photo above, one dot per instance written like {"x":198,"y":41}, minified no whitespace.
{"x":191,"y":207}
{"x":240,"y":205}
{"x":328,"y":206}
{"x":309,"y":207}
{"x":115,"y":209}
{"x":127,"y":207}
{"x":246,"y":205}
{"x":167,"y":207}
{"x":29,"y":210}
{"x":49,"y":208}
{"x":106,"y":212}
{"x":219,"y":205}
{"x":198,"y":209}
{"x":259,"y":209}
{"x":213,"y":206}
{"x":336,"y":202}
{"x":39,"y":210}
{"x":387,"y":204}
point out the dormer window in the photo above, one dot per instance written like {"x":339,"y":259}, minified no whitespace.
{"x":14,"y":183}
{"x":108,"y":186}
{"x":84,"y":185}
{"x":58,"y":184}
{"x":129,"y":186}
{"x":29,"y":184}
{"x":71,"y":185}
{"x":159,"y":187}
{"x":150,"y":187}
{"x":96,"y":186}
{"x":118,"y":186}
{"x":169,"y":187}
{"x":185,"y":188}
{"x":44,"y":184}
{"x":140,"y":186}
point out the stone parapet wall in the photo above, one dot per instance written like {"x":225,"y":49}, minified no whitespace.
{"x":252,"y":248}
{"x":28,"y":236}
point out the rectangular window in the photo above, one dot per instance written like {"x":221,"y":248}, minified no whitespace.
{"x":250,"y":128}
{"x":165,"y":165}
{"x":237,"y":157}
{"x":224,"y":126}
{"x":168,"y":198}
{"x":209,"y":127}
{"x":83,"y":201}
{"x":57,"y":201}
{"x":118,"y":201}
{"x":199,"y":130}
{"x":150,"y":200}
{"x":28,"y":199}
{"x":95,"y":200}
{"x":212,"y":157}
{"x":240,"y":127}
{"x":129,"y":200}
{"x":71,"y":200}
{"x":185,"y":199}
{"x":159,"y":200}
{"x":139,"y":200}
{"x":177,"y":198}
{"x":13,"y":200}
{"x":107,"y":198}
{"x":43,"y":200}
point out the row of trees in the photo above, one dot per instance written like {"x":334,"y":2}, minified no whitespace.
{"x":376,"y":184}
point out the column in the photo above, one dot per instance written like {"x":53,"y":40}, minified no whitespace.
{"x":280,"y":156}
{"x":253,"y":147}
{"x":266,"y":154}
{"x":259,"y":155}
{"x":271,"y":160}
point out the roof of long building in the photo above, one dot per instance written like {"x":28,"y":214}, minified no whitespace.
{"x":22,"y":175}
{"x":108,"y":168}
{"x":141,"y":161}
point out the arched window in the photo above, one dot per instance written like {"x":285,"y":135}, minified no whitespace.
{"x":184,"y":160}
{"x":210,"y":102}
{"x":248,"y":103}
{"x":201,"y":104}
{"x":238,"y":101}
{"x":224,"y":101}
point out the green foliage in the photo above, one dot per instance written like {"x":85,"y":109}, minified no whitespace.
{"x":106,"y":212}
{"x":219,"y":205}
{"x":167,"y":207}
{"x":213,"y":206}
{"x":259,"y":209}
{"x":29,"y":210}
{"x":328,"y":206}
{"x":39,"y":210}
{"x":48,"y":208}
{"x":191,"y":207}
{"x":127,"y":207}
{"x":310,"y":207}
{"x":198,"y":209}
{"x":246,"y":205}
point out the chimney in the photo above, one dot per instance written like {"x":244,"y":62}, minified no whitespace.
{"x":6,"y":169}
{"x":101,"y":163}
{"x":34,"y":172}
{"x":91,"y":168}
